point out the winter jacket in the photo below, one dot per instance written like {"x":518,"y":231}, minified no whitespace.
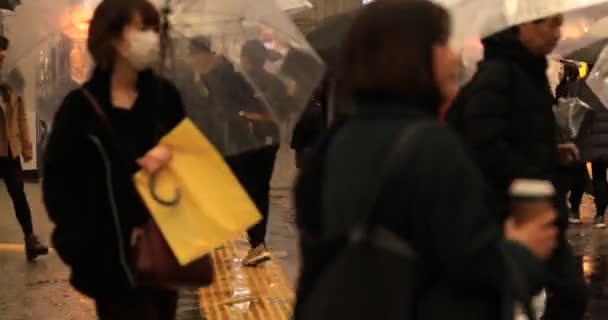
{"x":229,"y":93}
{"x":593,"y":137}
{"x":310,"y":127}
{"x":14,"y":131}
{"x":87,"y":185}
{"x":436,"y":205}
{"x":507,"y":117}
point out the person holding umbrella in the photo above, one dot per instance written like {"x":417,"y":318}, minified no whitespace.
{"x":569,"y":110}
{"x":15,"y":144}
{"x":254,"y":169}
{"x":505,"y":116}
{"x":594,"y":148}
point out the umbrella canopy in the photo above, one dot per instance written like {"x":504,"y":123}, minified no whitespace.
{"x":482,"y":18}
{"x":600,"y":28}
{"x":242,"y":66}
{"x":328,"y":37}
{"x":475,"y":19}
{"x":35,"y":24}
{"x":598,"y":78}
{"x":263,"y":65}
{"x":589,"y":54}
{"x":294,"y":6}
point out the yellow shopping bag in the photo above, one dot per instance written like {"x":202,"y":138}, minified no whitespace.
{"x":212,"y":207}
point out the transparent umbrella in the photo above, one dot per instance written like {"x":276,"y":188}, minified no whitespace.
{"x":475,"y":19}
{"x":47,"y":56}
{"x":294,"y":6}
{"x":244,"y":70}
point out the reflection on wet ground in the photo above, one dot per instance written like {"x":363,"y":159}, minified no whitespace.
{"x":591,"y":247}
{"x":42,"y":291}
{"x":596,"y":273}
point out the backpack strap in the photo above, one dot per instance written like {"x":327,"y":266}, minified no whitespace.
{"x":368,"y":230}
{"x":103,"y":118}
{"x":308,"y":185}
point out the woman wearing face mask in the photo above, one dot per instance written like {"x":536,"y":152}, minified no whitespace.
{"x":433,"y":195}
{"x":88,"y":188}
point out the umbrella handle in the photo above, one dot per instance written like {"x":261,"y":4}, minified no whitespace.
{"x":168,"y":203}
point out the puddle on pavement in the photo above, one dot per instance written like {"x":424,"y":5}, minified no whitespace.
{"x":595,"y":269}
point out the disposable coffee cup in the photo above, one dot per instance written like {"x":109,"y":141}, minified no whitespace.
{"x":530,"y":197}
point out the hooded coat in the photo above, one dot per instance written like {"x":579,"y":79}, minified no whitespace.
{"x":507,"y":117}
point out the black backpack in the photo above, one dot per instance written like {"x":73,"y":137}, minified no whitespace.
{"x":371,"y":273}
{"x":374,"y":274}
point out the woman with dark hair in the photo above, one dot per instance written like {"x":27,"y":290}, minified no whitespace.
{"x":398,"y":78}
{"x":103,"y":133}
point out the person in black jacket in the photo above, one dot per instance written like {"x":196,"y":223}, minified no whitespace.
{"x":508,"y":125}
{"x":238,"y":121}
{"x":573,"y":177}
{"x":397,"y":86}
{"x":593,"y":144}
{"x":254,"y":169}
{"x":88,"y":187}
{"x":310,"y":127}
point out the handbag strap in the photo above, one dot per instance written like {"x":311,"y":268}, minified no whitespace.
{"x":96,"y":106}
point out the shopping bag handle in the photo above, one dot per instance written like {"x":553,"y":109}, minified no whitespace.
{"x":168,"y":203}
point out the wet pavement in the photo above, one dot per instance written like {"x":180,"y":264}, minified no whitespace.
{"x":591,"y":247}
{"x":41,"y":290}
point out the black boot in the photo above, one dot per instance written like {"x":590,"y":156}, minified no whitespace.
{"x":33,"y":248}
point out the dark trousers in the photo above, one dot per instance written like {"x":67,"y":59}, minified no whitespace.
{"x":573,"y":180}
{"x":600,"y":186}
{"x":11,"y":172}
{"x":148,"y":304}
{"x":254,"y":171}
{"x":567,"y":294}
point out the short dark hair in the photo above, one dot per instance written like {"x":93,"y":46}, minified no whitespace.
{"x":255,"y":51}
{"x":109,"y":20}
{"x":389,"y":48}
{"x":4,"y":43}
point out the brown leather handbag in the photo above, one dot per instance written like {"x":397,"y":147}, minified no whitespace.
{"x":152,"y":260}
{"x":155,"y":264}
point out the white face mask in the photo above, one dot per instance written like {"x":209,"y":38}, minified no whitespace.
{"x":144,"y":51}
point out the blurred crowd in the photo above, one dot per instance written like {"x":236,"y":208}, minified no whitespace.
{"x":420,"y":195}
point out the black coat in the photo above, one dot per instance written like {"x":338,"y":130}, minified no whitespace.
{"x":311,"y":126}
{"x":593,"y":137}
{"x":507,"y":117}
{"x":435,"y":202}
{"x":88,"y":236}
